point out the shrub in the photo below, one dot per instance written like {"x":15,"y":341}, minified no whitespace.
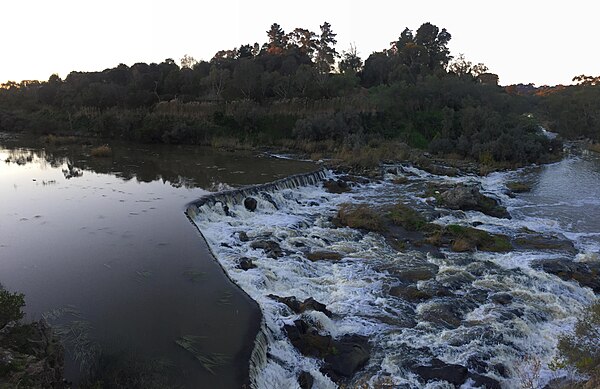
{"x":10,"y":307}
{"x":581,"y":348}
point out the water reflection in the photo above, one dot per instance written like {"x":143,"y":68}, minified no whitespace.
{"x":101,"y":247}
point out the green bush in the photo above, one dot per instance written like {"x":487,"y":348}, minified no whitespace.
{"x":10,"y":307}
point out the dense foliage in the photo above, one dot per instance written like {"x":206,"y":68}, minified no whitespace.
{"x":297,"y":86}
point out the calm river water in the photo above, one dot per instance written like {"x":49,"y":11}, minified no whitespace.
{"x":101,"y":248}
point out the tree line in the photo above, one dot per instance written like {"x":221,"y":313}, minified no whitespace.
{"x":297,"y":86}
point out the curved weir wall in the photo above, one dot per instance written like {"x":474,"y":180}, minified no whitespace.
{"x":229,"y":198}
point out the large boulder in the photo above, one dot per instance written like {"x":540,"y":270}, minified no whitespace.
{"x":343,"y":356}
{"x":323,"y":255}
{"x":469,"y":198}
{"x":586,"y":273}
{"x":250,"y":203}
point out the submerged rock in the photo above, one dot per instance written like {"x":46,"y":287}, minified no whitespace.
{"x":442,"y":371}
{"x":518,"y":187}
{"x":243,"y":237}
{"x":323,"y":255}
{"x":250,"y":203}
{"x":502,"y":298}
{"x":469,"y":198}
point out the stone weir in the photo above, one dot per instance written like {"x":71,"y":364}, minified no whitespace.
{"x":237,"y":196}
{"x":258,"y":358}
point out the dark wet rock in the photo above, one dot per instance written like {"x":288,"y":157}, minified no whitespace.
{"x":305,"y":380}
{"x":243,"y":237}
{"x":310,"y":304}
{"x":435,"y":289}
{"x":351,"y":353}
{"x":271,"y":248}
{"x":308,"y":340}
{"x":502,"y":298}
{"x":477,"y":296}
{"x":30,"y":356}
{"x":226,"y":210}
{"x":469,"y":198}
{"x":323,"y":256}
{"x":481,"y":381}
{"x":410,"y":293}
{"x":534,"y":241}
{"x":336,"y":186}
{"x":586,"y":273}
{"x":250,"y":203}
{"x":269,"y":199}
{"x":223,"y":244}
{"x":246,"y":264}
{"x":446,"y":315}
{"x":441,"y":371}
{"x":342,"y":357}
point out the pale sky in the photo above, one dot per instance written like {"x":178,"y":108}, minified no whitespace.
{"x":543,"y":42}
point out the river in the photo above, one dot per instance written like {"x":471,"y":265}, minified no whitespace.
{"x":112,"y":252}
{"x":102,"y":248}
{"x":496,"y":314}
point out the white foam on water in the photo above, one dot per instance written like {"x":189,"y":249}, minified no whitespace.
{"x":356,"y":288}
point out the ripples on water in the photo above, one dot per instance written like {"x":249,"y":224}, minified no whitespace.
{"x":464,"y":327}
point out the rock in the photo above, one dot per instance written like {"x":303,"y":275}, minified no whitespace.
{"x":296,"y":306}
{"x":250,"y":203}
{"x":269,"y":199}
{"x":518,"y":187}
{"x":323,"y":256}
{"x":308,"y":340}
{"x":534,"y":241}
{"x":586,"y":273}
{"x":441,"y":371}
{"x":243,"y":237}
{"x":355,"y":179}
{"x":226,"y":210}
{"x":305,"y":380}
{"x":441,"y":170}
{"x":410,"y":293}
{"x":502,"y":298}
{"x":351,"y":353}
{"x":417,"y":273}
{"x":485,"y":382}
{"x":246,"y":264}
{"x":442,"y":314}
{"x":342,"y":357}
{"x":271,"y":248}
{"x":336,"y":186}
{"x":469,"y":198}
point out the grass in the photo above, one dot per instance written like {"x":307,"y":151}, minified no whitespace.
{"x":101,"y":151}
{"x":407,"y":218}
{"x":359,"y":216}
{"x":468,"y":238}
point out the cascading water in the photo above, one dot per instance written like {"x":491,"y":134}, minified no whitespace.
{"x":490,"y":312}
